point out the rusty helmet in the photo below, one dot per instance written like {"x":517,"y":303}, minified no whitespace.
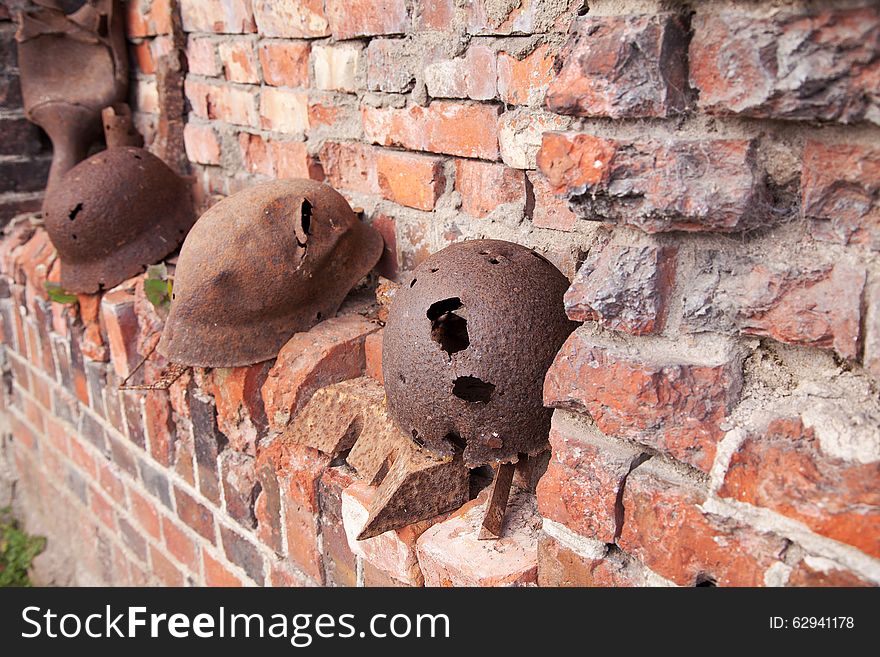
{"x":468,"y":341}
{"x":114,"y":214}
{"x":265,"y":263}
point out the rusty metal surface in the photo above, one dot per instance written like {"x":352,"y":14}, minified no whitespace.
{"x":72,"y":66}
{"x":418,"y":486}
{"x":119,"y":128}
{"x":493,"y":519}
{"x":468,"y":341}
{"x":265,"y":263}
{"x":114,"y":214}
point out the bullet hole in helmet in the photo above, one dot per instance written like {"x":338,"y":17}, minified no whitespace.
{"x":76,"y":210}
{"x":412,"y":282}
{"x":448,"y":329}
{"x":453,"y":438}
{"x":305,"y":224}
{"x":137,"y":157}
{"x":434,"y":270}
{"x":416,"y":439}
{"x":319,"y":316}
{"x":72,"y":236}
{"x":472,"y":389}
{"x":494,"y":261}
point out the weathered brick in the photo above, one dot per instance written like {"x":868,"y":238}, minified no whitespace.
{"x":584,"y":480}
{"x":202,"y":144}
{"x":282,"y":110}
{"x":816,"y":571}
{"x":161,"y":432}
{"x":164,"y":570}
{"x":442,"y":127}
{"x":180,"y":545}
{"x":391,"y":65}
{"x":785,"y":469}
{"x":147,"y":18}
{"x":387,"y":227}
{"x":201,"y":56}
{"x":285,"y":63}
{"x":416,"y":181}
{"x":240,"y":487}
{"x":623,"y":287}
{"x":525,"y":17}
{"x":741,"y":63}
{"x":473,"y":75}
{"x":623,"y":66}
{"x":373,"y":350}
{"x":299,"y":19}
{"x":550,"y":211}
{"x":358,"y":18}
{"x":689,"y":185}
{"x":350,"y":165}
{"x":224,"y":102}
{"x":450,"y":553}
{"x":216,"y":573}
{"x":336,"y":67}
{"x":241,"y":415}
{"x":484,"y":186}
{"x":524,"y":80}
{"x":221,"y":16}
{"x":208,"y":442}
{"x":239,"y":61}
{"x":665,"y":528}
{"x":841,"y":193}
{"x":520,"y":134}
{"x":340,"y":564}
{"x":560,"y":565}
{"x":144,"y":512}
{"x":133,"y":538}
{"x":672,"y":402}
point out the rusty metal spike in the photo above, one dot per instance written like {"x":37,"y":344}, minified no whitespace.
{"x":493,"y":520}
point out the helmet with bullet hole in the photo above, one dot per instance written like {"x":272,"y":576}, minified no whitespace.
{"x":113,"y":215}
{"x":468,"y":341}
{"x":265,"y":263}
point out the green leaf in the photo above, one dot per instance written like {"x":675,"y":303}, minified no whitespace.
{"x":158,"y":291}
{"x":58,"y":295}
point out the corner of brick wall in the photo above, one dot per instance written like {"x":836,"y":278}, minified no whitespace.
{"x":716,"y":415}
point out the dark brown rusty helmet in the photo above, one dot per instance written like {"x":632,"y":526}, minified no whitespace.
{"x":467,"y":344}
{"x":113,"y":215}
{"x":265,"y":263}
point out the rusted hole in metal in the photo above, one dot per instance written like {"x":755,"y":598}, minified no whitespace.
{"x":494,"y":261}
{"x":416,"y":439}
{"x":73,"y":236}
{"x":412,"y":282}
{"x":434,"y":270}
{"x":306,"y":217}
{"x":472,"y":389}
{"x":448,"y":329}
{"x":402,"y":378}
{"x":76,"y":210}
{"x":455,"y":439}
{"x":137,"y":157}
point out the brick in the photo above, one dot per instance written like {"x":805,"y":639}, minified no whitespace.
{"x":350,"y":165}
{"x":132,"y":403}
{"x":243,"y":554}
{"x":20,"y":137}
{"x":144,"y":19}
{"x":584,"y":480}
{"x":24,"y":175}
{"x":374,"y":577}
{"x":285,"y":576}
{"x":144,"y":512}
{"x":165,"y":571}
{"x":472,"y":76}
{"x":285,"y":64}
{"x":670,"y":401}
{"x":120,"y":324}
{"x":82,"y":457}
{"x":416,"y":181}
{"x":840,"y":184}
{"x":145,"y":95}
{"x":741,"y":64}
{"x":624,"y":288}
{"x":221,"y":16}
{"x":484,"y":186}
{"x":202,"y":144}
{"x":156,"y":482}
{"x":783,"y":468}
{"x":208,"y":442}
{"x":291,"y":159}
{"x":255,"y":154}
{"x":486,"y":17}
{"x":142,"y":57}
{"x":358,"y":18}
{"x":159,"y":425}
{"x":299,"y":19}
{"x":373,"y":351}
{"x":240,"y":487}
{"x":524,"y":80}
{"x":393,"y":552}
{"x":336,"y":67}
{"x":201,"y":56}
{"x":665,"y":528}
{"x":267,"y":507}
{"x":239,"y":61}
{"x":297,"y":470}
{"x":689,"y":185}
{"x":387,"y":227}
{"x":817,"y":571}
{"x":217,"y":574}
{"x":560,"y":565}
{"x":340,"y":563}
{"x":241,"y":416}
{"x":451,"y":555}
{"x":102,"y":509}
{"x":195,"y":514}
{"x":92,"y":431}
{"x":520,"y":134}
{"x":227,"y":103}
{"x":442,"y":127}
{"x":392,"y":65}
{"x":435,"y":15}
{"x":872,"y":332}
{"x":623,"y":66}
{"x":284,"y":111}
{"x":180,"y":545}
{"x":807,"y":302}
{"x":133,"y":539}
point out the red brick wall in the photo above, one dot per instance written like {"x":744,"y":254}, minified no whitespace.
{"x":707,"y":176}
